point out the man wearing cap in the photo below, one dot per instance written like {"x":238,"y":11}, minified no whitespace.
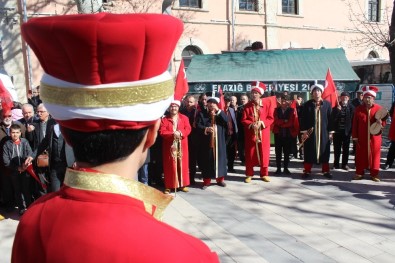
{"x":257,"y":118}
{"x":174,"y":129}
{"x":368,"y":141}
{"x":316,"y":132}
{"x":106,"y":83}
{"x":213,"y":125}
{"x":342,"y":121}
{"x":358,"y":99}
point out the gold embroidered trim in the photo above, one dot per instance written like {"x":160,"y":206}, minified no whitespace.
{"x":107,"y":97}
{"x":154,"y":201}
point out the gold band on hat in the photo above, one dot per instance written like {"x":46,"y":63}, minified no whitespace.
{"x":107,"y":97}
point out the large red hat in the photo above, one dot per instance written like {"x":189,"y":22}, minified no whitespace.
{"x":102,"y":71}
{"x":259,"y":87}
{"x":370,"y":91}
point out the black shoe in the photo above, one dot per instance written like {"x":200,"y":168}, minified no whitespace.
{"x":286,"y":171}
{"x":328,"y":175}
{"x":345,"y":167}
{"x":306,"y":175}
{"x":222,"y":184}
{"x":386,"y":167}
{"x":278,"y":171}
{"x":335,"y":166}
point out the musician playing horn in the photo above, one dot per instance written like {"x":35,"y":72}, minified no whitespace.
{"x":213,"y":123}
{"x":174,"y":130}
{"x":256,"y":120}
{"x":368,"y":141}
{"x":316,"y":132}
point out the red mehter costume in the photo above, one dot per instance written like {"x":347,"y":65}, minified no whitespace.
{"x":104,"y":72}
{"x":257,"y":145}
{"x":103,"y":218}
{"x":174,"y":152}
{"x":368,"y":147}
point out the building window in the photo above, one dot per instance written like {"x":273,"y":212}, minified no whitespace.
{"x":191,"y":3}
{"x":248,"y":5}
{"x":373,"y":10}
{"x":290,"y":7}
{"x":372,"y":55}
{"x":188,"y":53}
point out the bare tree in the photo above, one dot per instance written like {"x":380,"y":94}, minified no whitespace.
{"x":373,"y":34}
{"x":390,"y":45}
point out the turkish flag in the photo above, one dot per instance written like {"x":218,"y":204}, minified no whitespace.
{"x":182,"y":87}
{"x":272,"y":101}
{"x":330,"y":92}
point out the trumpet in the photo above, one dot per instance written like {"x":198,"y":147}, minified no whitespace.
{"x":256,"y":125}
{"x":212,"y":139}
{"x":309,"y":132}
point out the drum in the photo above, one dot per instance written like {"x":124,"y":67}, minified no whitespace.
{"x":376,"y":128}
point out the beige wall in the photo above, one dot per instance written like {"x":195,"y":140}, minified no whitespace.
{"x":320,"y":23}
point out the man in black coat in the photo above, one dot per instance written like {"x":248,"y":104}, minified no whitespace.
{"x":342,"y":122}
{"x":231,"y":134}
{"x":191,"y":112}
{"x":240,"y":128}
{"x":213,"y":125}
{"x":316,"y":132}
{"x":43,"y":126}
{"x":60,"y":156}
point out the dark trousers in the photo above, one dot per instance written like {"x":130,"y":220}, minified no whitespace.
{"x":241,"y":148}
{"x":231,"y":152}
{"x":56,"y":175}
{"x":7,"y":190}
{"x":282,"y":145}
{"x":192,"y":156}
{"x":341,"y":145}
{"x":44,"y":176}
{"x":21,"y":186}
{"x":391,"y":154}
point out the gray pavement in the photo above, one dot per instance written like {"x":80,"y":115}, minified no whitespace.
{"x":286,"y":220}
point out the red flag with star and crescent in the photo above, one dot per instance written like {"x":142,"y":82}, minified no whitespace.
{"x":330,"y":92}
{"x":182,"y":87}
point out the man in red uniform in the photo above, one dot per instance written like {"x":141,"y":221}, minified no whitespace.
{"x":368,"y":145}
{"x":174,"y":129}
{"x":257,"y":118}
{"x":106,"y":83}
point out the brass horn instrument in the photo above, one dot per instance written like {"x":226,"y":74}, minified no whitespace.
{"x":309,"y":132}
{"x":176,"y":154}
{"x":257,"y":131}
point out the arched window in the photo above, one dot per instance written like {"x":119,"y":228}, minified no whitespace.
{"x":188,"y":53}
{"x":373,"y":54}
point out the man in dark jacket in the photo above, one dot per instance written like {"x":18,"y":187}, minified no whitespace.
{"x":342,"y":122}
{"x":231,"y":134}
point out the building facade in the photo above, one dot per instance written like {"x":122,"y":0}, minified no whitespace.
{"x":223,"y":25}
